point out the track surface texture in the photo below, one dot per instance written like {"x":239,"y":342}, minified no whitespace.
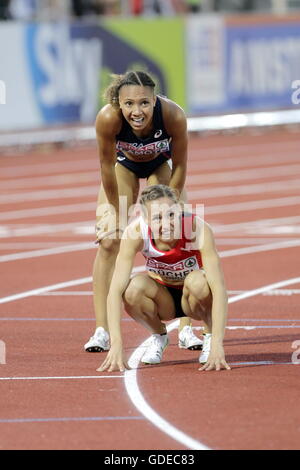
{"x":51,"y":395}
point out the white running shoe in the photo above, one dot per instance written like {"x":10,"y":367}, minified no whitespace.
{"x":156,"y":346}
{"x":99,"y":342}
{"x":206,"y":348}
{"x":187,"y":339}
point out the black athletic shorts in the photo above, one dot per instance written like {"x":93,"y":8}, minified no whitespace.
{"x":142,"y":169}
{"x":176,"y":296}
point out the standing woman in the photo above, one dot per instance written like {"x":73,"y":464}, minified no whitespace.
{"x":138,"y":134}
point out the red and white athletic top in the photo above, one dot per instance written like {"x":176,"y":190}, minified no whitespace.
{"x":171,"y":267}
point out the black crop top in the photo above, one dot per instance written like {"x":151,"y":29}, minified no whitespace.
{"x":158,"y":142}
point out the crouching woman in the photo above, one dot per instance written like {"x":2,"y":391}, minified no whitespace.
{"x":183,"y":278}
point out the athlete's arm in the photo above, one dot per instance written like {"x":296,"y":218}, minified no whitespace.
{"x":129,"y":247}
{"x":215,"y":279}
{"x":108,"y":124}
{"x":176,"y":126}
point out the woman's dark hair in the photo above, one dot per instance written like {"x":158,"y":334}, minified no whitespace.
{"x":140,"y":78}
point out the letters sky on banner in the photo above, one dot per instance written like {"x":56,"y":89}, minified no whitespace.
{"x":66,"y":63}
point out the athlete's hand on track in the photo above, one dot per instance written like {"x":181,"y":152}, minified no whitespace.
{"x":107,"y":223}
{"x":115,"y":360}
{"x":216,"y":360}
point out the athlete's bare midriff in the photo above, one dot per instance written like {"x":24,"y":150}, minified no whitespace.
{"x":141,"y":158}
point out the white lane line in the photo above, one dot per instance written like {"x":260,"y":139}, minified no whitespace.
{"x":261,"y":290}
{"x":255,"y":225}
{"x":47,"y":252}
{"x":66,"y":419}
{"x":252,"y":205}
{"x":60,"y":319}
{"x":50,"y":210}
{"x":245,"y":189}
{"x":72,"y":293}
{"x":44,"y":229}
{"x":91,"y":246}
{"x":260,"y":363}
{"x":76,"y":282}
{"x":93,"y":177}
{"x":68,"y":377}
{"x":240,"y":175}
{"x":246,"y":241}
{"x":260,"y":248}
{"x":64,"y":179}
{"x":83,"y":191}
{"x":87,"y":227}
{"x":86,"y":191}
{"x":40,"y":290}
{"x":61,"y":285}
{"x":15,"y":172}
{"x":251,"y":148}
{"x":264,"y":319}
{"x":283,"y":292}
{"x":254,"y":327}
{"x":252,"y":161}
{"x":233,"y":327}
{"x":143,"y":407}
{"x":55,"y":319}
{"x":91,"y":206}
{"x":258,"y":327}
{"x":30,"y":245}
{"x":130,"y":378}
{"x":282,"y":152}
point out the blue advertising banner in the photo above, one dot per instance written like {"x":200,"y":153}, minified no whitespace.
{"x":262,"y":63}
{"x":250,"y":67}
{"x":65,"y":63}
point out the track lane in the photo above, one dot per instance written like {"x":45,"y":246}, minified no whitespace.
{"x":217,"y":426}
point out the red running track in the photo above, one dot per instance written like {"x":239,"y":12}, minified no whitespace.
{"x":53,"y":398}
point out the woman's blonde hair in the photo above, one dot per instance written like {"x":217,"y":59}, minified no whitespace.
{"x":157,"y":191}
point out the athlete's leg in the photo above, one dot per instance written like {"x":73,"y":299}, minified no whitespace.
{"x":161,"y":175}
{"x":128,"y":186}
{"x":197,"y":298}
{"x":149,"y":303}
